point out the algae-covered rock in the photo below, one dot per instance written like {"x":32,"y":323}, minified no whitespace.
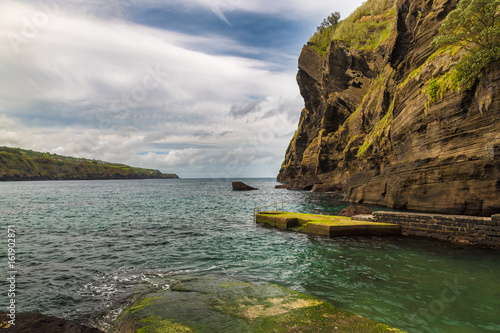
{"x":212,"y":304}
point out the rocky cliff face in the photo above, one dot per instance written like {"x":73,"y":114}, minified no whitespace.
{"x":369,"y":126}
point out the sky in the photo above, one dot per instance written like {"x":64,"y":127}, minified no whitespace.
{"x":200,"y":88}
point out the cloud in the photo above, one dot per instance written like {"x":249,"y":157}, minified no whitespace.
{"x":118,"y":91}
{"x":245,"y":108}
{"x":123,"y":66}
{"x":217,"y":10}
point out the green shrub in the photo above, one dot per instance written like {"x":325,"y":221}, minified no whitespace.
{"x":475,"y":26}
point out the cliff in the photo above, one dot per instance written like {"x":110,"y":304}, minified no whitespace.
{"x":371,"y":127}
{"x":20,"y":164}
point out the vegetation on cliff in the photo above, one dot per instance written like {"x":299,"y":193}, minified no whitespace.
{"x":474,"y":26}
{"x":21,"y":164}
{"x":365,"y":29}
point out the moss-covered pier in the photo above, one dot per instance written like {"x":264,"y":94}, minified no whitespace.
{"x":326,"y":225}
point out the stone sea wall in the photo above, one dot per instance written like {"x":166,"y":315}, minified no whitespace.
{"x":471,"y":230}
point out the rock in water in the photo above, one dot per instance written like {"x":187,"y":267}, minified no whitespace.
{"x":214,"y":304}
{"x":355,"y":210}
{"x":239,"y":186}
{"x":39,"y":323}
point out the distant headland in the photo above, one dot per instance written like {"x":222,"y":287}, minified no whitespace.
{"x":19,"y":164}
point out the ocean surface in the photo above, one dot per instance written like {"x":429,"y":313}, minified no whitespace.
{"x":82,"y":246}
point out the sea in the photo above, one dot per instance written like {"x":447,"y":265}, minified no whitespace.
{"x":81,"y":247}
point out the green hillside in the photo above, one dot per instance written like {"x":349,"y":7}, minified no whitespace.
{"x":365,"y":29}
{"x":21,"y":164}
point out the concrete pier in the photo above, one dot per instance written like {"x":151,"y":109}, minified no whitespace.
{"x":326,"y":225}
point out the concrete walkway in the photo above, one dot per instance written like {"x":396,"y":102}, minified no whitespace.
{"x":326,"y":225}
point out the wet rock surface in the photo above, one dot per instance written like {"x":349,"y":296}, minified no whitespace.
{"x":39,"y":323}
{"x":213,"y":304}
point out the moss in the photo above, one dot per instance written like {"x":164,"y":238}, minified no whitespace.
{"x":179,"y":287}
{"x":319,"y":318}
{"x":215,"y":304}
{"x":380,"y":129}
{"x":413,"y":74}
{"x":432,"y":90}
{"x":159,"y":325}
{"x":349,"y":143}
{"x":226,"y":284}
{"x":450,"y":50}
{"x":304,"y":218}
{"x":142,"y":303}
{"x":436,"y":88}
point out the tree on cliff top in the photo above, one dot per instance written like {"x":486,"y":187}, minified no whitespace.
{"x":330,"y":21}
{"x":475,"y":26}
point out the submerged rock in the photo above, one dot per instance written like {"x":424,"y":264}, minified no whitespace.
{"x":355,"y":210}
{"x":39,"y":323}
{"x":240,"y":186}
{"x":213,"y":304}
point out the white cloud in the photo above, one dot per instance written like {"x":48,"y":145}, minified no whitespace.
{"x":116,"y":91}
{"x":74,"y":59}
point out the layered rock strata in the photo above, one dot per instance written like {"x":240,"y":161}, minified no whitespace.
{"x":370,"y":127}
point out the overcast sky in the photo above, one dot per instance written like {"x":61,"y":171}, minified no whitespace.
{"x":200,"y":88}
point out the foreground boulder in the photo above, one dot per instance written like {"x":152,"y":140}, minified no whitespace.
{"x":355,"y":210}
{"x":214,"y":304}
{"x":39,"y":323}
{"x":240,"y":186}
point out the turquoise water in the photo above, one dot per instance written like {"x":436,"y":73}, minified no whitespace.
{"x":83,"y":245}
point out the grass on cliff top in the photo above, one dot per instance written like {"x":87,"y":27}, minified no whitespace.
{"x":365,"y":29}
